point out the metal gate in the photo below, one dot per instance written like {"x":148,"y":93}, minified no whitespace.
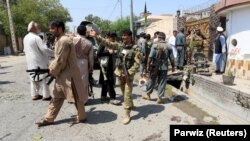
{"x":201,"y":17}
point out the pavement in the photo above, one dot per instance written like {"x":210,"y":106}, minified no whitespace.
{"x":150,"y":121}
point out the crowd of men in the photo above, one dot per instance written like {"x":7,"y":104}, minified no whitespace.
{"x":73,"y":62}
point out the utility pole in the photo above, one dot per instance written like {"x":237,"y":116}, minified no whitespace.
{"x":12,"y":32}
{"x":132,"y":19}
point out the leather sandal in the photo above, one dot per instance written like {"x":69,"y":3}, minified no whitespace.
{"x":37,"y":97}
{"x":43,"y":122}
{"x":76,"y":121}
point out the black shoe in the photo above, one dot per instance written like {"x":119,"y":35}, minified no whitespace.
{"x":37,"y":97}
{"x":47,"y":99}
{"x":217,"y":71}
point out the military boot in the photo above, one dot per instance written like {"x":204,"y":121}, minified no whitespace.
{"x":126,"y":118}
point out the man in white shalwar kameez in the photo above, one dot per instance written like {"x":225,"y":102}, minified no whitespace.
{"x":37,"y":55}
{"x":171,"y":41}
{"x":220,"y":51}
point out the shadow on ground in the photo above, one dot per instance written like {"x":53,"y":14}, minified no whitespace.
{"x":177,"y":98}
{"x":99,"y":117}
{"x":5,"y":82}
{"x":146,"y":110}
{"x":5,"y":67}
{"x":4,"y":72}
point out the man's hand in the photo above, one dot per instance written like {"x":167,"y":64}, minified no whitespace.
{"x":111,"y":51}
{"x":49,"y":72}
{"x":148,"y":68}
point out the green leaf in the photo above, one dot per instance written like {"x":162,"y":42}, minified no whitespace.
{"x":37,"y":137}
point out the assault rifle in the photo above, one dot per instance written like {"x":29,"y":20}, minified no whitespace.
{"x":124,"y":70}
{"x":37,"y":72}
{"x":157,"y":61}
{"x":91,"y":84}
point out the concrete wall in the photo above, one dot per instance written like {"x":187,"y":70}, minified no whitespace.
{"x":165,"y":24}
{"x":238,"y":29}
{"x":223,"y":96}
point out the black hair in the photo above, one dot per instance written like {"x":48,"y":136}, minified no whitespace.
{"x":127,"y":32}
{"x":181,"y":30}
{"x":143,"y":34}
{"x":157,"y":32}
{"x":113,"y":34}
{"x":81,"y":30}
{"x":57,"y":23}
{"x":148,"y":36}
{"x":162,"y":35}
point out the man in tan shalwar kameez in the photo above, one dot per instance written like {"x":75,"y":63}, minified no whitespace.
{"x":85,"y":58}
{"x":68,"y":84}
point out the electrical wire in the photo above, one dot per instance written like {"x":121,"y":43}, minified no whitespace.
{"x":113,"y":9}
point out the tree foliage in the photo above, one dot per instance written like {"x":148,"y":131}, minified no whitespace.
{"x":107,"y":26}
{"x":119,"y":25}
{"x":40,"y":11}
{"x":103,"y":24}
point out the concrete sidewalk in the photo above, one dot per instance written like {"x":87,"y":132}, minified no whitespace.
{"x":234,"y":99}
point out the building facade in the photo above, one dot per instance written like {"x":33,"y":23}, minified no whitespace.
{"x":163,"y":23}
{"x":237,"y":14}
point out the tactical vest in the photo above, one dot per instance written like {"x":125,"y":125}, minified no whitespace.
{"x":126,"y":56}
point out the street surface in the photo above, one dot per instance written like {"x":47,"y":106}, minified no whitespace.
{"x":150,"y":121}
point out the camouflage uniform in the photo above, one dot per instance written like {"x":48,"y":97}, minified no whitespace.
{"x":129,"y":64}
{"x":195,"y":44}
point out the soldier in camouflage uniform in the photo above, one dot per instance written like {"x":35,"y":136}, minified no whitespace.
{"x":158,"y":67}
{"x":126,"y":67}
{"x":194,"y":42}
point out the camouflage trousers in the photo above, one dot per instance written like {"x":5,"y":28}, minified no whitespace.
{"x":126,"y":86}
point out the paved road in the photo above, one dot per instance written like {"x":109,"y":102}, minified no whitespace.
{"x":150,"y":121}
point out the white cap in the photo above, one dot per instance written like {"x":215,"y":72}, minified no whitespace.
{"x":31,"y":24}
{"x":219,"y":29}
